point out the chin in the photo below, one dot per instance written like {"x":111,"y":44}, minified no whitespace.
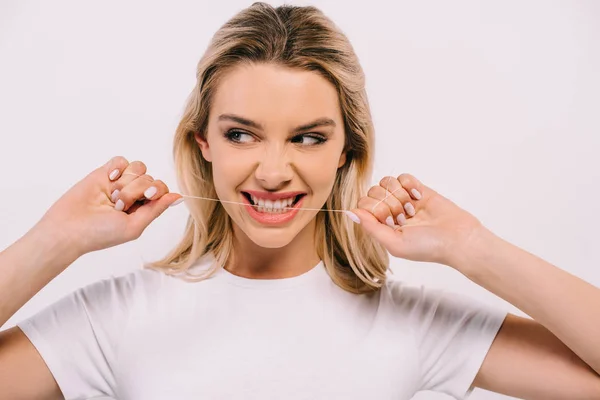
{"x":275,"y":239}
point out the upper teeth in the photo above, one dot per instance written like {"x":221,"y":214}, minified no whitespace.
{"x":281,"y":203}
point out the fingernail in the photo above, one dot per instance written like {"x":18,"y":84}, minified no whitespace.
{"x":416,"y":193}
{"x":410,"y":210}
{"x":113,"y":174}
{"x":389,"y":221}
{"x":179,"y":200}
{"x":114,"y":195}
{"x":352,"y":216}
{"x":151,"y":191}
{"x":401,"y":219}
{"x":120,"y":205}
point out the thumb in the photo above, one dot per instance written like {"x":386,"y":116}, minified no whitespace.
{"x":381,"y":232}
{"x":143,"y":216}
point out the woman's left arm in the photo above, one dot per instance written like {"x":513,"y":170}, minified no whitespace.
{"x":555,"y":355}
{"x":559,"y":350}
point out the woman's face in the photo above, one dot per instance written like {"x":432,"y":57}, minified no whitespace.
{"x":275,"y":138}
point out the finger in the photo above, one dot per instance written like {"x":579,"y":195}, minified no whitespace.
{"x":136,"y":191}
{"x":133,"y":171}
{"x":392,"y":199}
{"x":401,"y":193}
{"x":131,"y":192}
{"x":156,"y":190}
{"x":413,"y":186}
{"x":384,"y":234}
{"x":146,"y":213}
{"x":377,"y":208}
{"x":115,"y":166}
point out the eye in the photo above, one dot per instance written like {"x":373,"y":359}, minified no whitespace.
{"x":309,"y":139}
{"x":237,"y":136}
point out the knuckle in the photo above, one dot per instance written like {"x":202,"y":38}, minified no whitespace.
{"x":396,"y":208}
{"x":374,"y":191}
{"x":386,"y":180}
{"x":400,"y":193}
{"x":393,"y":186}
{"x":147,"y":177}
{"x":382,"y":213}
{"x":138,"y":167}
{"x":119,"y":162}
{"x":128,"y":197}
{"x":362,"y":202}
{"x":405,"y":179}
{"x":161,"y":185}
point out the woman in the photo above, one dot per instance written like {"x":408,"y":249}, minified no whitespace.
{"x":274,"y":298}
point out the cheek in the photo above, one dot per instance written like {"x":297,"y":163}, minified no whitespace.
{"x":320,"y":174}
{"x":231,"y":169}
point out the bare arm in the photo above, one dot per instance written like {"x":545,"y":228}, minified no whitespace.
{"x":528,"y":361}
{"x":29,"y":265}
{"x":554,"y":356}
{"x":84,"y":219}
{"x":25,"y":268}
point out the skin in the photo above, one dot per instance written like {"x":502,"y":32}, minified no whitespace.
{"x":274,"y":157}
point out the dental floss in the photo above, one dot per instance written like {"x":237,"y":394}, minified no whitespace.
{"x":254,"y":205}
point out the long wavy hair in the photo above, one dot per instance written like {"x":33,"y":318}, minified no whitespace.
{"x":294,"y":37}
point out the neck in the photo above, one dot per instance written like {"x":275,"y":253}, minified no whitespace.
{"x":293,"y":259}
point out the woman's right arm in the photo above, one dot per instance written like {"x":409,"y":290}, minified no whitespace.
{"x":29,"y":265}
{"x":25,"y":268}
{"x":83,"y":220}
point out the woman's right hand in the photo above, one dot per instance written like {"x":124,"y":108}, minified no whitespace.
{"x":108,"y":207}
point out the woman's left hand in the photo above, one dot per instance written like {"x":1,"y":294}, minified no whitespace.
{"x":415,"y":222}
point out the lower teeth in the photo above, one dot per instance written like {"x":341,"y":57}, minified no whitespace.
{"x":271,"y":210}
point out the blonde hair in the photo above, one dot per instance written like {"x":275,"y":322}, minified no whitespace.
{"x":294,"y":37}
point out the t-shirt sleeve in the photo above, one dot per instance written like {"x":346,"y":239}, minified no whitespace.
{"x":453,"y":334}
{"x":78,"y":336}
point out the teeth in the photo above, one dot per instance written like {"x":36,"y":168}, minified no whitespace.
{"x":269,"y":206}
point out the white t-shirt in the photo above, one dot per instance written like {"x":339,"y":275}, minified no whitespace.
{"x":150,"y":336}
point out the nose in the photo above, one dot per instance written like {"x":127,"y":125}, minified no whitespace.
{"x":274,"y":170}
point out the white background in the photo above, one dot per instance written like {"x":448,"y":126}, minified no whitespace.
{"x":493,"y":104}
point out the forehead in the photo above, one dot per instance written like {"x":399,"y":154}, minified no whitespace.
{"x":272,"y":94}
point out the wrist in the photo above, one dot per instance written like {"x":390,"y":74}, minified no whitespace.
{"x":51,"y":243}
{"x":474,"y":251}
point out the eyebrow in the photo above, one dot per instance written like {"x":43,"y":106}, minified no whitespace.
{"x":252,"y":124}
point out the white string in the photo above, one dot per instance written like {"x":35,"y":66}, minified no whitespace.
{"x":381,"y":201}
{"x":295,"y":208}
{"x":256,"y":205}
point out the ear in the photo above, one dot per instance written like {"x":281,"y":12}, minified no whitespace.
{"x":204,"y":148}
{"x":342,"y":159}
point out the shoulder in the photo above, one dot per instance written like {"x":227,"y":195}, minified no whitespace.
{"x":409,"y":296}
{"x":121,"y":291}
{"x":423,"y":303}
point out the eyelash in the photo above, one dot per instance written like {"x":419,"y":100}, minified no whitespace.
{"x":319,"y":138}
